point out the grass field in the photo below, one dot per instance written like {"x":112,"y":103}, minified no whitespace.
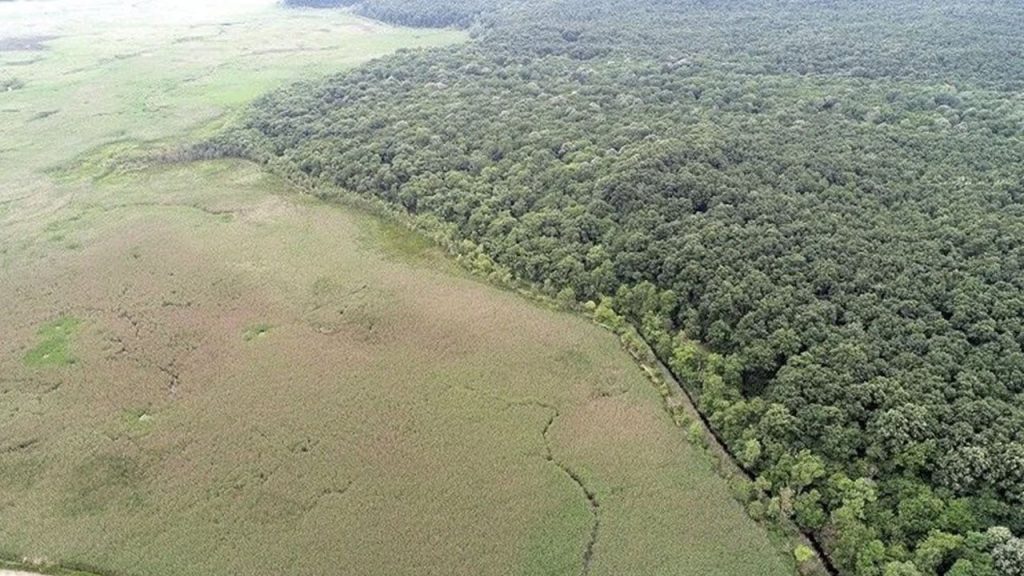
{"x":203,"y":372}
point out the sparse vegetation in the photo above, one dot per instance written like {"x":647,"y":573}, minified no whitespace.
{"x":256,"y":331}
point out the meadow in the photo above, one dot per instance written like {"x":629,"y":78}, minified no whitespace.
{"x":203,"y":371}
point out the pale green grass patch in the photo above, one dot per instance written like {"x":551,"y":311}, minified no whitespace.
{"x":256,"y":332}
{"x":54,"y":347}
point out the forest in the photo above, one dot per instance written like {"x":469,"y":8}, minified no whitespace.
{"x":813,"y":211}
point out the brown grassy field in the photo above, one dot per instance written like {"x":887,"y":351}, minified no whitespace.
{"x":204,"y":372}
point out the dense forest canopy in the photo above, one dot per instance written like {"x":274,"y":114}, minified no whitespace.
{"x":813,"y":211}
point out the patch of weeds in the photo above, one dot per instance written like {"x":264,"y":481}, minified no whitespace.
{"x":137,"y":416}
{"x":255,"y":331}
{"x":20,"y":471}
{"x":54,"y":344}
{"x":102,"y":481}
{"x":325,"y":289}
{"x":101,"y":163}
{"x":137,"y":422}
{"x":573,"y":357}
{"x":402,"y":241}
{"x":130,"y":423}
{"x":552,"y":547}
{"x":58,"y":232}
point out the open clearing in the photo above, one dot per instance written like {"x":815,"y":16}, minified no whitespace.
{"x":202,"y":372}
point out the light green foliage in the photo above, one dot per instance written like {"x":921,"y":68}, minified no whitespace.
{"x":854,"y":535}
{"x":687,"y":362}
{"x":697,"y":434}
{"x":965,"y":567}
{"x":54,"y":347}
{"x":803,"y":554}
{"x":256,"y":331}
{"x":808,"y":469}
{"x":901,"y":569}
{"x":751,"y":452}
{"x":935,"y":550}
{"x":809,"y":512}
{"x":605,"y":314}
{"x":871,"y":559}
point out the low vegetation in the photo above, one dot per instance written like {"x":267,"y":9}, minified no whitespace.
{"x":811,"y":210}
{"x":54,"y":344}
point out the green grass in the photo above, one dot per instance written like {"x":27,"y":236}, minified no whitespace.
{"x":402,"y":241}
{"x":256,"y":331}
{"x":394,"y":418}
{"x":54,"y":347}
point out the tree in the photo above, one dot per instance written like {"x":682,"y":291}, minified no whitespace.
{"x":935,"y":551}
{"x":901,"y":569}
{"x":1007,"y":552}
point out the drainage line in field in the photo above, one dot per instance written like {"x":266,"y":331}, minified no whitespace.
{"x":593,"y":504}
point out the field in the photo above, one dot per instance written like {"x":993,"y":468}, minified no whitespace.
{"x":204,"y":372}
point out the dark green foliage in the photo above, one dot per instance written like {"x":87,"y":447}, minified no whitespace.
{"x":829,"y":196}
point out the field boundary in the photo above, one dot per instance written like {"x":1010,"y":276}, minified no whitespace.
{"x":677,"y":401}
{"x":727,"y":465}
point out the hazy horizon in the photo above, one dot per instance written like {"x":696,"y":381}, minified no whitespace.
{"x":33,"y":17}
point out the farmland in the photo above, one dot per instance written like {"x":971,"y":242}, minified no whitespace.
{"x":203,"y":371}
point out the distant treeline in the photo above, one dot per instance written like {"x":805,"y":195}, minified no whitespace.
{"x":459,"y":13}
{"x":813,"y":211}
